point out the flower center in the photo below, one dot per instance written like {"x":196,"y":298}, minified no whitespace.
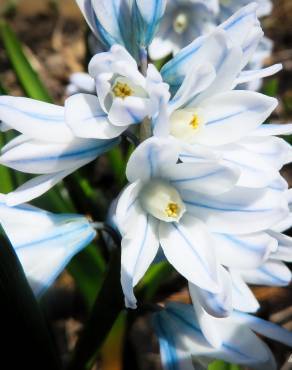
{"x":195,"y":122}
{"x":180,"y":23}
{"x":122,"y":90}
{"x":162,"y":201}
{"x":185,"y":124}
{"x":172,"y":210}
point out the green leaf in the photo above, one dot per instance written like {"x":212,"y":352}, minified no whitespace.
{"x":118,"y":164}
{"x":25,"y":340}
{"x":108,"y":305}
{"x":155,"y":276}
{"x":27,"y":76}
{"x":221,"y":365}
{"x":271,"y":87}
{"x":87,"y":269}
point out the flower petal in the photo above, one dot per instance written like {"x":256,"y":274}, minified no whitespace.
{"x":240,"y":211}
{"x":149,"y":14}
{"x":244,"y":251}
{"x":232,"y":115}
{"x":35,"y":119}
{"x":273,"y":273}
{"x":265,"y":328}
{"x":35,"y":187}
{"x":41,"y":157}
{"x":194,"y":258}
{"x":44,"y":242}
{"x":150,"y":156}
{"x":86,"y":118}
{"x":243,"y":298}
{"x":210,"y":178}
{"x":138,"y":251}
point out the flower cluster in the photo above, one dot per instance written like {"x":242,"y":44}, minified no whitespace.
{"x":204,"y":188}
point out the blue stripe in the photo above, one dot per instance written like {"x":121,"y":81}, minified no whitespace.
{"x":197,"y":330}
{"x":54,"y":275}
{"x":250,"y":247}
{"x":275,"y":278}
{"x":141,"y":245}
{"x":226,"y":209}
{"x":190,"y":245}
{"x":237,"y":20}
{"x":198,"y":177}
{"x":69,"y":155}
{"x":44,"y":117}
{"x":219,"y":120}
{"x":58,"y":235}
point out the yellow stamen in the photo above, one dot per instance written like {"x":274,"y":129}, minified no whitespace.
{"x":122,"y":90}
{"x":195,"y":122}
{"x":172,"y":210}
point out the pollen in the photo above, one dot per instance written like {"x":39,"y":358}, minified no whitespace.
{"x":122,"y":90}
{"x":172,"y":210}
{"x":195,"y":122}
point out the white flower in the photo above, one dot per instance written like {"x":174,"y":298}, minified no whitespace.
{"x":243,"y":32}
{"x":44,"y":242}
{"x":184,"y":347}
{"x":178,"y":206}
{"x":183,"y":21}
{"x":124,"y":96}
{"x":46,"y":146}
{"x":130,"y":23}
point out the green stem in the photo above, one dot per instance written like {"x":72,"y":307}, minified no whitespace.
{"x":106,"y":309}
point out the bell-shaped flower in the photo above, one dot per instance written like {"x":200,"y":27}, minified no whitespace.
{"x":171,"y":204}
{"x":183,"y":345}
{"x":129,"y":23}
{"x":46,"y":146}
{"x":182,"y":22}
{"x":233,"y":52}
{"x":44,"y":242}
{"x":124,"y":96}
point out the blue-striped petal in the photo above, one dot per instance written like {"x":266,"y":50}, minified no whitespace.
{"x":273,"y":273}
{"x":244,"y":251}
{"x":86,"y":118}
{"x":39,"y":157}
{"x":139,"y":247}
{"x":194,"y":259}
{"x":240,"y":211}
{"x":153,"y":153}
{"x":44,"y":242}
{"x":231,"y":115}
{"x":35,"y":119}
{"x":147,"y":15}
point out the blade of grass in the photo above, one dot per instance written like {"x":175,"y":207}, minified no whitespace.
{"x":27,"y":76}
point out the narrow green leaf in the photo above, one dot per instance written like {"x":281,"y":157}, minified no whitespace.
{"x":118,"y":164}
{"x":106,"y":309}
{"x":222,"y":365}
{"x":27,"y":76}
{"x":271,"y":87}
{"x":25,"y":340}
{"x":87,"y":269}
{"x":6,"y":183}
{"x":155,"y":276}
